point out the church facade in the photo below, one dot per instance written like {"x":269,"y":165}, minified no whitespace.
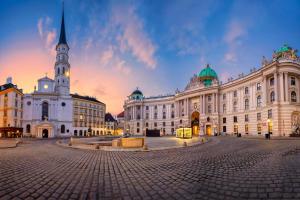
{"x":49,"y":111}
{"x":264,"y":101}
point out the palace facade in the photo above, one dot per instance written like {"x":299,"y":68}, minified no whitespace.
{"x":264,"y":101}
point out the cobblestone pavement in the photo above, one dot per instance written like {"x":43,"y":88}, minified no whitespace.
{"x":225,"y":168}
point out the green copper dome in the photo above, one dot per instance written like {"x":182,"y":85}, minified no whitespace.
{"x":207,"y":75}
{"x":285,"y":48}
{"x":137,"y":94}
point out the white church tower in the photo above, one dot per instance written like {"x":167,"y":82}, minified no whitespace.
{"x":62,"y":66}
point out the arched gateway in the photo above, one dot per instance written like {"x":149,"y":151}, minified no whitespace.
{"x":195,"y":123}
{"x":45,"y":133}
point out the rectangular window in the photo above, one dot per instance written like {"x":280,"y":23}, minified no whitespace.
{"x":147,"y":107}
{"x":271,"y":81}
{"x":235,"y":119}
{"x":164,"y":123}
{"x":258,"y":116}
{"x":246,"y":118}
{"x":164,"y":115}
{"x":224,"y":96}
{"x":258,"y":87}
{"x":293,"y":81}
{"x":235,"y":93}
{"x":224,"y":120}
{"x":209,"y":97}
{"x":270,"y":114}
{"x":147,"y":115}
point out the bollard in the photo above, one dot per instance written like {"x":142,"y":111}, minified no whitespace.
{"x":70,"y":143}
{"x":145,"y":147}
{"x":185,"y":144}
{"x":97,"y":146}
{"x":203,"y":140}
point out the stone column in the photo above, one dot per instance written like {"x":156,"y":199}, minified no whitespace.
{"x":264,"y":88}
{"x":276,"y":86}
{"x":281,"y":84}
{"x":217,"y":102}
{"x":286,"y":86}
{"x":203,"y":105}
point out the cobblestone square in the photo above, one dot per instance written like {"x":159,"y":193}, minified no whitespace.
{"x":224,"y":168}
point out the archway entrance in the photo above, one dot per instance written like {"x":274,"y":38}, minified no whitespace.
{"x":195,"y":123}
{"x":45,"y":133}
{"x":208,"y":130}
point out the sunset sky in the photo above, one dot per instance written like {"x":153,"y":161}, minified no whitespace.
{"x":116,"y":46}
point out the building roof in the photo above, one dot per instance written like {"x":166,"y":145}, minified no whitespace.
{"x":109,"y":118}
{"x":62,"y":36}
{"x":8,"y":86}
{"x":120,"y":115}
{"x":88,"y":98}
{"x":137,"y":92}
{"x":46,"y":78}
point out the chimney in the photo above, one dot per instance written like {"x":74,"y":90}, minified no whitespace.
{"x":8,"y":80}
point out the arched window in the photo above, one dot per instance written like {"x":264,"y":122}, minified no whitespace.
{"x":58,"y":71}
{"x":45,"y":110}
{"x":63,"y":71}
{"x":62,"y":128}
{"x":272,"y":96}
{"x":293,"y":96}
{"x":28,"y":128}
{"x":246,"y":104}
{"x":258,"y":101}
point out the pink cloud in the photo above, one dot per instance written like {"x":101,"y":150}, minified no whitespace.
{"x":133,"y":38}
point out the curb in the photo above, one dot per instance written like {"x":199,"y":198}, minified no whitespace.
{"x":134,"y":150}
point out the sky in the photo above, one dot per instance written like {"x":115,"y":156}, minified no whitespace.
{"x":157,"y":46}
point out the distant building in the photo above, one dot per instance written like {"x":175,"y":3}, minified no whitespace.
{"x":11,"y":110}
{"x":110,"y":125}
{"x":264,"y":101}
{"x":88,"y":116}
{"x":120,"y":121}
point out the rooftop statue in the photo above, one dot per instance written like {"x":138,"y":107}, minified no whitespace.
{"x":285,"y":52}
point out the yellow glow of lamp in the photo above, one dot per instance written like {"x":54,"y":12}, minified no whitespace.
{"x":46,"y":86}
{"x":67,"y":74}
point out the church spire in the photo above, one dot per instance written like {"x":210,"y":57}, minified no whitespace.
{"x":62,"y":37}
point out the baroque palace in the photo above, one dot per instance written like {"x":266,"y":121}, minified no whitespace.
{"x":264,"y":101}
